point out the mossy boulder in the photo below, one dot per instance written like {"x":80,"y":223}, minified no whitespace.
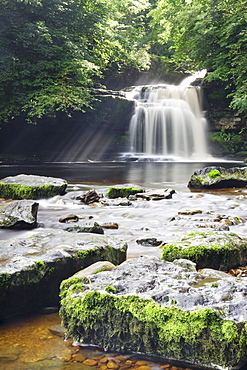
{"x":159,"y":308}
{"x":217,"y":250}
{"x":32,"y":268}
{"x":31,"y":187}
{"x":218,"y":177}
{"x":123,"y":191}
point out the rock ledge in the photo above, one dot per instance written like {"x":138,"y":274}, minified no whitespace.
{"x":160,"y":308}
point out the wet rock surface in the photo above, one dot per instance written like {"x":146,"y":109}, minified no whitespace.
{"x":90,"y":227}
{"x":89,"y":197}
{"x":19,"y":214}
{"x":210,"y":220}
{"x":156,"y":195}
{"x":140,"y":220}
{"x":218,"y":250}
{"x":218,"y":177}
{"x":192,"y":316}
{"x":149,"y":242}
{"x":33,"y":267}
{"x":123,"y":191}
{"x":69,"y":218}
{"x":31,"y":187}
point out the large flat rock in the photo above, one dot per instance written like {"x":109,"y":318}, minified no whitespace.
{"x":32,"y":268}
{"x":31,"y":187}
{"x":214,"y":249}
{"x":160,"y":308}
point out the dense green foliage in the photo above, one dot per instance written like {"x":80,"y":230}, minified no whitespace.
{"x":53,"y":52}
{"x":207,"y":34}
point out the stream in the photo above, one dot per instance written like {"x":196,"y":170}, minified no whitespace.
{"x":26,"y":342}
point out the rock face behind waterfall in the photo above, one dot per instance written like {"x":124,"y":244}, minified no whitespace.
{"x":32,"y":268}
{"x":218,"y":177}
{"x":160,"y":308}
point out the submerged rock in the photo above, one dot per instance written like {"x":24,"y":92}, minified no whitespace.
{"x":219,"y":177}
{"x":31,"y":187}
{"x":32,"y":268}
{"x":161,"y":309}
{"x":217,"y":250}
{"x":19,"y":214}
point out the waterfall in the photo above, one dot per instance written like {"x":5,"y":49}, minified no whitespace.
{"x":168,"y":122}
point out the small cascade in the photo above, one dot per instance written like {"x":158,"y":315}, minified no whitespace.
{"x":168,"y":122}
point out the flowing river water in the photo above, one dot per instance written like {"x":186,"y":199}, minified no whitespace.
{"x":26,"y":342}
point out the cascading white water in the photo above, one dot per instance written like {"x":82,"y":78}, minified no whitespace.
{"x":168,"y":122}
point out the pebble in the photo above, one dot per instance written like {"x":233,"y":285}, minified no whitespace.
{"x":141,"y":363}
{"x":109,"y":225}
{"x":78,"y":357}
{"x":112,"y":365}
{"x":119,"y":362}
{"x":90,"y":362}
{"x":103,"y":360}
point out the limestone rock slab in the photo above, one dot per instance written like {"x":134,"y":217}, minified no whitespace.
{"x":31,"y":187}
{"x":32,"y":268}
{"x":160,"y":308}
{"x":213,"y":249}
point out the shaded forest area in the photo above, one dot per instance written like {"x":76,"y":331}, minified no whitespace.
{"x":56,"y":55}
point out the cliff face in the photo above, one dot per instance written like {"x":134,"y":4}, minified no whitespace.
{"x":227,"y":128}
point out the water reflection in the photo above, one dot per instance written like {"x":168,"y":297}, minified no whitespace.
{"x":148,"y":174}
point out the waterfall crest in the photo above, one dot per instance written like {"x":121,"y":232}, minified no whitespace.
{"x":168,"y":122}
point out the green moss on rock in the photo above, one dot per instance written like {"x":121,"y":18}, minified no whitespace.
{"x":31,"y":187}
{"x":218,"y":177}
{"x":122,"y":192}
{"x":17,"y":191}
{"x":220,"y":251}
{"x":110,"y":289}
{"x":131,"y":323}
{"x":213,"y":174}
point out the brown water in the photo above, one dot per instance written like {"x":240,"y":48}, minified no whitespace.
{"x":26,"y":343}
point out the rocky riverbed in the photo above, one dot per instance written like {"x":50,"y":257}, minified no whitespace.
{"x":156,"y":222}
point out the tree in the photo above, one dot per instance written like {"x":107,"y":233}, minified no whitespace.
{"x":52,"y":51}
{"x":207,"y":34}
